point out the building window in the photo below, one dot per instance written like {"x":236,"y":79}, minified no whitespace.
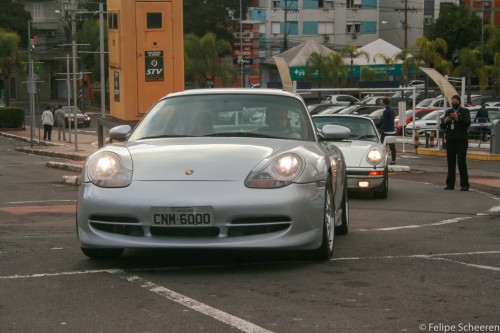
{"x":38,"y":12}
{"x":275,"y":28}
{"x":353,"y":28}
{"x":428,"y":20}
{"x":153,"y":20}
{"x":326,"y":4}
{"x":354,"y":4}
{"x":276,"y":3}
{"x":113,"y":21}
{"x":325,"y":28}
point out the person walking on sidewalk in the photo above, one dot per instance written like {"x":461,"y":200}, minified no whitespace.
{"x":387,"y":127}
{"x":48,"y":122}
{"x":456,"y":122}
{"x":61,"y":125}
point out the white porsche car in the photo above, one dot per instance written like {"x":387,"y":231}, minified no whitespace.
{"x":196,"y":172}
{"x":365,"y":156}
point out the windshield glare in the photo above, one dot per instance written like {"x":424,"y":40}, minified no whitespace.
{"x":226,"y":115}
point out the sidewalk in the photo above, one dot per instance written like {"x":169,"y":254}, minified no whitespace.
{"x":75,"y":151}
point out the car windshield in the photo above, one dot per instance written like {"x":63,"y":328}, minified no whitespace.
{"x":349,"y":109}
{"x":226,"y":115}
{"x":361,"y":128}
{"x":433,"y":115}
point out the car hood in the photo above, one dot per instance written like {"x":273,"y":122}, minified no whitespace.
{"x":207,"y":158}
{"x":355,"y":152}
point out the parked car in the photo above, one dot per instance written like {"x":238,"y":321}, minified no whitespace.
{"x":365,"y":156}
{"x":372,"y":100}
{"x":83,"y":119}
{"x":409,"y":118}
{"x":417,"y":83}
{"x":339,"y":100}
{"x":376,"y":116}
{"x":317,"y":108}
{"x":333,"y":109}
{"x":478,"y":99}
{"x":428,"y":122}
{"x":483,"y":130}
{"x":360,"y":109}
{"x":432,"y":103}
{"x":181,"y":180}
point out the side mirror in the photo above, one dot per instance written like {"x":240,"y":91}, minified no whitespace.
{"x":120,"y":133}
{"x":389,"y":139}
{"x":335,"y":133}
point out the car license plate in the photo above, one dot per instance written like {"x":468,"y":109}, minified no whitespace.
{"x":182,"y":216}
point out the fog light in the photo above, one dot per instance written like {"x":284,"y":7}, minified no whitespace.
{"x":363,"y":184}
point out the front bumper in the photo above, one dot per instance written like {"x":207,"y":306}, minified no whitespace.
{"x":359,"y":179}
{"x":284,"y":218}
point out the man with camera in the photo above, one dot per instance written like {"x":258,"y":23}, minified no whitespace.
{"x":456,"y":122}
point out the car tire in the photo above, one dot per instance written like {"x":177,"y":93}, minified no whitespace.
{"x":102,"y":253}
{"x":325,"y":251}
{"x":343,"y":229}
{"x":384,"y":189}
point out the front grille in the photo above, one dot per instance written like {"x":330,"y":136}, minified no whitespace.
{"x":250,"y":230}
{"x":185,"y":232}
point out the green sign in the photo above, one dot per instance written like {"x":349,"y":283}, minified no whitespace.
{"x":299,"y":73}
{"x":154,"y":66}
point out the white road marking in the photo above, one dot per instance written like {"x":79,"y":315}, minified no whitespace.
{"x":413,"y":226}
{"x":38,"y":201}
{"x":202,"y":308}
{"x":225,"y":317}
{"x":190,"y":303}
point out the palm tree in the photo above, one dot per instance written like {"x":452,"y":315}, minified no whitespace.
{"x":326,"y":67}
{"x":406,"y":58}
{"x":469,"y":64}
{"x":203,"y":59}
{"x":9,"y":58}
{"x":351,"y":52}
{"x":493,"y":48}
{"x":388,"y":61}
{"x":431,"y":54}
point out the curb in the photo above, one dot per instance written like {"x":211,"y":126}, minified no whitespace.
{"x":71,"y":180}
{"x":470,"y":155}
{"x":399,"y":168}
{"x":64,"y":166}
{"x":69,"y":156}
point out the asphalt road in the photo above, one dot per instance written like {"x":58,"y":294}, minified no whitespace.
{"x":424,"y":260}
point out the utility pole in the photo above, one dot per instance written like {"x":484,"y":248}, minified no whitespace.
{"x":405,"y":26}
{"x":285,"y":28}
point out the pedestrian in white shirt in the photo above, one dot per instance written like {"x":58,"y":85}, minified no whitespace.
{"x":48,"y":122}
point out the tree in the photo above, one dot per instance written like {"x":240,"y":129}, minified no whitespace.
{"x":351,"y":52}
{"x":326,"y":67}
{"x":202,"y":58}
{"x":406,"y":58}
{"x":459,"y":27}
{"x":469,"y":64}
{"x":216,"y":16}
{"x":431,"y":54}
{"x":14,"y":18}
{"x":9,"y":58}
{"x":388,"y":61}
{"x":493,"y":49}
{"x":89,"y":34}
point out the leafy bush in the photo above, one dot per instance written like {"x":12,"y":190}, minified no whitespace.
{"x":11,"y":117}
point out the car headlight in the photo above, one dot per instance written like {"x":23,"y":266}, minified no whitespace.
{"x":280,"y":172}
{"x":108,"y":169}
{"x":374,"y":156}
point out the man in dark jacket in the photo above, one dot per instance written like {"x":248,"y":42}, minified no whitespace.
{"x":456,"y":122}
{"x":387,"y":126}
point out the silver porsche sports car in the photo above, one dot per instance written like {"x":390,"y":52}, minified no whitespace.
{"x":216,"y":168}
{"x":365,"y":156}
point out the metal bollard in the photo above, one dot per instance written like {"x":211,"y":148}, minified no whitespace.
{"x":416,"y":139}
{"x":432,"y":134}
{"x":427,"y":137}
